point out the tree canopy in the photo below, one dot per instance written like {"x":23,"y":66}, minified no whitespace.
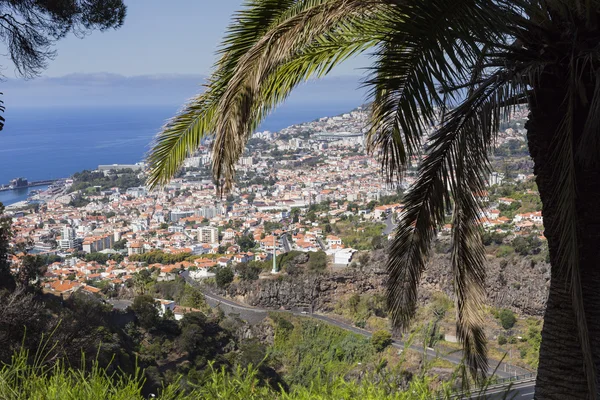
{"x":30,"y":28}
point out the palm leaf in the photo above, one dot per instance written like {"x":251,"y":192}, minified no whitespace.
{"x":183,"y":134}
{"x":451,"y":177}
{"x":238,"y":113}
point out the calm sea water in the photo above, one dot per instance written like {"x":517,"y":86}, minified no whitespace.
{"x":41,"y":144}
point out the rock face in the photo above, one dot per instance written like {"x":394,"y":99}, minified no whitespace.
{"x":519,"y":284}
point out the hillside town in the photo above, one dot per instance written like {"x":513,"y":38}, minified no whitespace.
{"x":308,"y":188}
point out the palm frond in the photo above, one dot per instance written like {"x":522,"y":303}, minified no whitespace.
{"x":417,"y":65}
{"x":238,"y":113}
{"x":183,"y":133}
{"x":181,"y":136}
{"x":451,"y":176}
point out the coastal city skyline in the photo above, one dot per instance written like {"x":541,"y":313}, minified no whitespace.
{"x":299,"y":199}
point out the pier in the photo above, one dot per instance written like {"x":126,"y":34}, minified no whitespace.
{"x":28,"y":185}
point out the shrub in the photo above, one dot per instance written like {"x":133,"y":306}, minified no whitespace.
{"x":504,"y":251}
{"x":523,"y":352}
{"x":502,"y":340}
{"x":381,"y":340}
{"x":507,"y":318}
{"x":224,"y":277}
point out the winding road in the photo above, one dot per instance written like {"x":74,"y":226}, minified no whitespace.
{"x":520,"y":390}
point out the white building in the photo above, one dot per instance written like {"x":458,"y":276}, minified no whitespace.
{"x":208,"y":234}
{"x":343,"y":257}
{"x":67,"y":239}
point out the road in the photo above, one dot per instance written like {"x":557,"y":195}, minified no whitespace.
{"x":389,"y":225}
{"x":286,"y":243}
{"x":321,"y":244}
{"x":519,"y":391}
{"x":254,"y":315}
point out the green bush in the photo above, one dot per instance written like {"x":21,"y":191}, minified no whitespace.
{"x":502,"y":340}
{"x":507,"y":318}
{"x":381,"y":340}
{"x":224,"y":276}
{"x":504,"y":251}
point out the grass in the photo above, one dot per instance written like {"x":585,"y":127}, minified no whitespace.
{"x":20,"y":380}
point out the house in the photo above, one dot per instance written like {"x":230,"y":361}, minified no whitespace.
{"x":164,"y":305}
{"x":62,"y":287}
{"x":223,"y":261}
{"x":135,"y":248}
{"x":535,"y":217}
{"x":343,"y":256}
{"x":506,"y":201}
{"x":493,"y":214}
{"x":242,"y":258}
{"x":333,"y":240}
{"x":228,"y":234}
{"x":180,"y":311}
{"x":381,"y":211}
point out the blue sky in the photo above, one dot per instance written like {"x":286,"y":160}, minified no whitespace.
{"x":161,"y":55}
{"x":158,"y":37}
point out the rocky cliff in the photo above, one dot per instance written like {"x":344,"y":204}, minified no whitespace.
{"x":517,"y":283}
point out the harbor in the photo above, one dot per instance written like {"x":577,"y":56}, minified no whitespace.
{"x":19,"y":192}
{"x":21,"y":183}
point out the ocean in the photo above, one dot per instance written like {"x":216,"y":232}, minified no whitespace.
{"x":52,"y":143}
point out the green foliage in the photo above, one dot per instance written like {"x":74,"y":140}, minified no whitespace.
{"x":22,"y":381}
{"x":504,"y":251}
{"x":381,"y":340}
{"x":317,"y":261}
{"x":246,"y":243}
{"x":32,"y":267}
{"x":6,"y":234}
{"x":526,"y":245}
{"x":159,"y":257}
{"x":362,"y":236}
{"x":502,"y":340}
{"x":507,"y":318}
{"x":180,"y":292}
{"x":146,"y":311}
{"x":311,"y":349}
{"x":120,"y":244}
{"x":79,"y":202}
{"x":123,"y":179}
{"x":354,"y":301}
{"x":224,"y":276}
{"x":490,"y":238}
{"x":248,"y":271}
{"x":100,"y":258}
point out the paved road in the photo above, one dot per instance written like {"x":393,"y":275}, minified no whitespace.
{"x":320,"y":242}
{"x":389,"y":225}
{"x":120,"y":304}
{"x":286,"y":244}
{"x":254,"y":315}
{"x":520,"y":391}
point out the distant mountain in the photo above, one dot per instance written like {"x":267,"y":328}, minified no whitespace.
{"x":106,"y":89}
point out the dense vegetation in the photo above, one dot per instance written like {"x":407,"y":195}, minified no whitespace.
{"x":92,"y":181}
{"x":20,"y":381}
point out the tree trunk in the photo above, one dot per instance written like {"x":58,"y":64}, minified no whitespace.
{"x":561,"y":370}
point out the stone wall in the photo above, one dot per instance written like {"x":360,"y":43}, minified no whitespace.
{"x":518,"y":284}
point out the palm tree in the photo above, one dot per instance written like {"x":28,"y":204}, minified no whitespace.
{"x":458,"y":67}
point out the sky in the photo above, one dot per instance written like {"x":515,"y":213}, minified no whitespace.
{"x":161,"y":54}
